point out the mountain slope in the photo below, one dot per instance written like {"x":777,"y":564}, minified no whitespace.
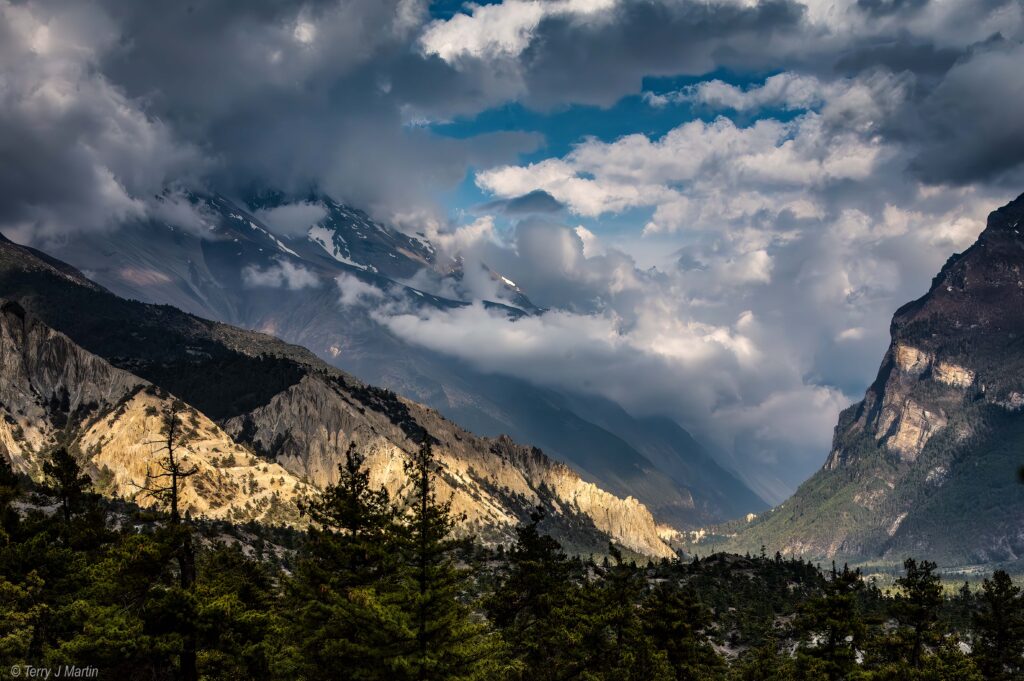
{"x":54,"y":392}
{"x":234,"y":269}
{"x":926,"y":464}
{"x":272,"y":405}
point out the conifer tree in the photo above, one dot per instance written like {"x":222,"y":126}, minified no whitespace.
{"x":236,"y":614}
{"x":352,"y":524}
{"x":444,"y":640}
{"x":65,"y":477}
{"x":343,"y":612}
{"x":764,"y":663}
{"x":677,"y":624}
{"x":917,"y":607}
{"x":833,"y":620}
{"x":532,"y":604}
{"x":165,"y":485}
{"x":622,"y":648}
{"x":9,"y":492}
{"x":999,"y":629}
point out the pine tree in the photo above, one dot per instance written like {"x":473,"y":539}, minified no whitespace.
{"x":9,"y":492}
{"x":352,"y":524}
{"x":999,"y":629}
{"x":834,"y":622}
{"x":444,"y":640}
{"x":622,"y":648}
{"x":65,"y":477}
{"x":764,"y":663}
{"x":532,"y":606}
{"x":342,"y":607}
{"x":165,"y":486}
{"x":916,"y":608}
{"x":236,"y":614}
{"x":677,"y":624}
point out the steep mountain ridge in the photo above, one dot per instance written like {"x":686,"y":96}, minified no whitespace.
{"x":272,"y":405}
{"x":926,"y":463}
{"x":305,"y":289}
{"x":53,"y":392}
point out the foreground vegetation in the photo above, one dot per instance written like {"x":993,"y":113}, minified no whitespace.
{"x":381,"y":590}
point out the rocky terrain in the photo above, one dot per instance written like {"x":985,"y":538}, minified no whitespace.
{"x":926,"y":464}
{"x":54,"y":393}
{"x":267,"y":422}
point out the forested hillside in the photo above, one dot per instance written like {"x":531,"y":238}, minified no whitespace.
{"x":380,"y":589}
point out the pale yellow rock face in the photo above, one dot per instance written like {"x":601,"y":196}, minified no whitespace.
{"x":953,"y":374}
{"x":903,"y":423}
{"x":230,"y":483}
{"x":911,"y":360}
{"x":669,"y":533}
{"x":491,"y":484}
{"x":37,"y":361}
{"x":478,"y":476}
{"x":914,"y":426}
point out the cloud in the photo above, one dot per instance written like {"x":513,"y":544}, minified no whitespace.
{"x":293,"y":219}
{"x":718,"y":375}
{"x":78,"y":153}
{"x":499,"y":30}
{"x":284,"y":274}
{"x":784,"y":91}
{"x":176,"y":209}
{"x":593,"y":51}
{"x":699,"y":174}
{"x":793,"y":240}
{"x":292,"y":96}
{"x":968,"y":127}
{"x":354,"y":291}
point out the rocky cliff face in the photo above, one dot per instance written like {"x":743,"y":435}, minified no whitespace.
{"x":959,"y":342}
{"x":926,"y":462}
{"x":54,"y":392}
{"x":267,"y":421}
{"x":45,"y":381}
{"x":494,"y":483}
{"x":912,"y":405}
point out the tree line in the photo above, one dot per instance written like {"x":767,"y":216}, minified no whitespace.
{"x":380,"y":588}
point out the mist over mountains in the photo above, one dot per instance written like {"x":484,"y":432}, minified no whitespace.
{"x":335,"y":287}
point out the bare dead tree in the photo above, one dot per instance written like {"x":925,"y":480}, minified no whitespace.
{"x":164,"y":485}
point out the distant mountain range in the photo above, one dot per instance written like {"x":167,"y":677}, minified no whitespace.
{"x":927,"y":463}
{"x":266,"y":422}
{"x":237,"y":269}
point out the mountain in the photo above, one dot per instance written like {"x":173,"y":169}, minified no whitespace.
{"x":305,"y":287}
{"x":266,"y":420}
{"x":926,"y":464}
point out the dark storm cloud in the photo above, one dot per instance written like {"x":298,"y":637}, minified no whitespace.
{"x":887,"y":7}
{"x":126,"y":99}
{"x":299,"y":95}
{"x":598,"y":57}
{"x":75,"y":153}
{"x":899,"y":54}
{"x":971,"y":127}
{"x":595,"y":62}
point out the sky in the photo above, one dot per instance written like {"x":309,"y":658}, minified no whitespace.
{"x":722,"y":202}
